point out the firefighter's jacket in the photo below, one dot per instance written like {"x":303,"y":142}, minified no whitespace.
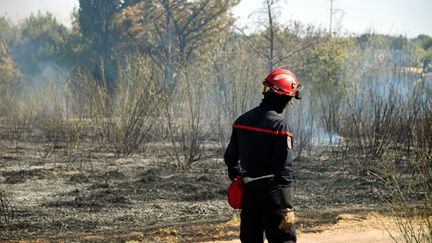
{"x":260,"y":145}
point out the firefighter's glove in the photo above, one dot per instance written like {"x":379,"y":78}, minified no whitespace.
{"x":287,"y":219}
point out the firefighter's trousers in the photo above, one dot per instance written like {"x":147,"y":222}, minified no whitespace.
{"x":261,"y":213}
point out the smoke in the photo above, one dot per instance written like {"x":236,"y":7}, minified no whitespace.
{"x":46,"y":90}
{"x":322,"y":137}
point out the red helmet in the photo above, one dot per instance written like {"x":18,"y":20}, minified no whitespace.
{"x":282,"y":82}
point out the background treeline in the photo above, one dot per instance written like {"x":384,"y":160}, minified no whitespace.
{"x":177,"y":73}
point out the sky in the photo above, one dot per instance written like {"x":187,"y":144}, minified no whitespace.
{"x":394,"y":17}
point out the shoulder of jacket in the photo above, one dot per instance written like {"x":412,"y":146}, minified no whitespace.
{"x":282,"y":125}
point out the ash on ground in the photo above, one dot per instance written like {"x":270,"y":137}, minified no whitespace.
{"x":55,"y":196}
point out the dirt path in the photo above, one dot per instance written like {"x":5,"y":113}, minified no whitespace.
{"x":350,"y":228}
{"x":347,"y":228}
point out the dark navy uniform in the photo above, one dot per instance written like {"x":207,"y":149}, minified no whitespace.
{"x":261,"y":146}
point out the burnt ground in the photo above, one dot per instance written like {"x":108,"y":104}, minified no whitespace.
{"x":97,"y":197}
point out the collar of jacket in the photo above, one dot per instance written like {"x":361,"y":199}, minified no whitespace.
{"x":273,"y":101}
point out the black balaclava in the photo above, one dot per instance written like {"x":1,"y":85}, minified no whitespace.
{"x":275,"y":102}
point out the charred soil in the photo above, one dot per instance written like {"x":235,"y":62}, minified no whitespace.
{"x":97,"y":197}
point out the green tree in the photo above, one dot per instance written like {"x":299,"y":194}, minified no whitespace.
{"x":424,"y":47}
{"x":329,"y":79}
{"x":8,"y":32}
{"x":174,"y":31}
{"x":10,"y":80}
{"x":95,"y":18}
{"x":42,"y":41}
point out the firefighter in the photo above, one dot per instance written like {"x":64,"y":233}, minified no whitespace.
{"x":260,"y":150}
